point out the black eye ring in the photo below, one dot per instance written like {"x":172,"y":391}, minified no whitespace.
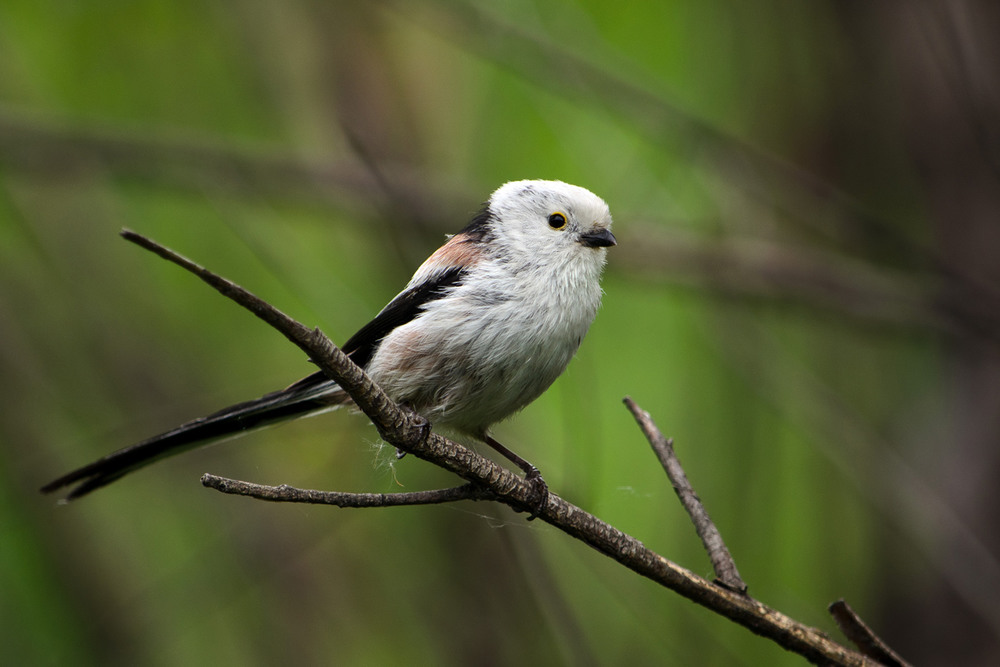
{"x":557,"y":220}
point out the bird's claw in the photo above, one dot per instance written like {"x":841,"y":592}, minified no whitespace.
{"x":539,"y":492}
{"x":421,"y":422}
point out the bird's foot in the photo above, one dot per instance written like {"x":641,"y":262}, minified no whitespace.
{"x":539,"y":492}
{"x":419,"y":421}
{"x":539,"y":489}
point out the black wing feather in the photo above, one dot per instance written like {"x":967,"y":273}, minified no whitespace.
{"x":401,"y":310}
{"x":407,"y":305}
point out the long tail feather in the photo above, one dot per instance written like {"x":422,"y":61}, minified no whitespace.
{"x":310,"y":395}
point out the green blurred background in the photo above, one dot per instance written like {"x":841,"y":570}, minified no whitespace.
{"x":805,"y":295}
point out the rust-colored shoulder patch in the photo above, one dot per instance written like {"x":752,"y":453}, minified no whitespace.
{"x":460,"y":250}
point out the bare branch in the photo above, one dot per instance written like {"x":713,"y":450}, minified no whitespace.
{"x":406,"y":432}
{"x":794,"y":274}
{"x":811,"y":279}
{"x":289,"y":494}
{"x":867,"y":641}
{"x":722,"y":561}
{"x":191,"y":161}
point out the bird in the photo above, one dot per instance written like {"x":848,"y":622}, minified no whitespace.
{"x":485,"y":325}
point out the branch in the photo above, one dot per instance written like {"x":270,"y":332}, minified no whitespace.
{"x":722,"y":561}
{"x":810,"y":279}
{"x":289,"y":494}
{"x":34,"y":142}
{"x":408,"y":432}
{"x":867,"y":641}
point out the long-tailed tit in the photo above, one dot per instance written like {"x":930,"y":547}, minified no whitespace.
{"x":485,"y":325}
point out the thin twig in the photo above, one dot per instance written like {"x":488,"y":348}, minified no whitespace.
{"x":191,"y":161}
{"x":289,"y":494}
{"x":722,"y":561}
{"x":788,"y":274}
{"x":863,"y":637}
{"x":405,"y":431}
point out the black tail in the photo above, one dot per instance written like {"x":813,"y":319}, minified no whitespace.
{"x":312,"y":394}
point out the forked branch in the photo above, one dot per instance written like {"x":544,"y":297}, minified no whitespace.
{"x":407,"y":432}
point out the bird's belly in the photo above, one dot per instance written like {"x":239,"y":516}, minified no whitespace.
{"x":469,"y":372}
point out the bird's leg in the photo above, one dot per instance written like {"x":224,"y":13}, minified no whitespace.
{"x":531,"y":476}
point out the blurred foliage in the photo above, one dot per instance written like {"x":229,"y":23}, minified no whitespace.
{"x":804,"y":297}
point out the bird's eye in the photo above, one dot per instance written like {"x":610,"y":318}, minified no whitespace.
{"x":557,"y":220}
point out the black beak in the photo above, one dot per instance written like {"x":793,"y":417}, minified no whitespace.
{"x":600,"y":238}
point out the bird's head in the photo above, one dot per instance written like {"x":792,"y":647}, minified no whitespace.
{"x":546,"y":221}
